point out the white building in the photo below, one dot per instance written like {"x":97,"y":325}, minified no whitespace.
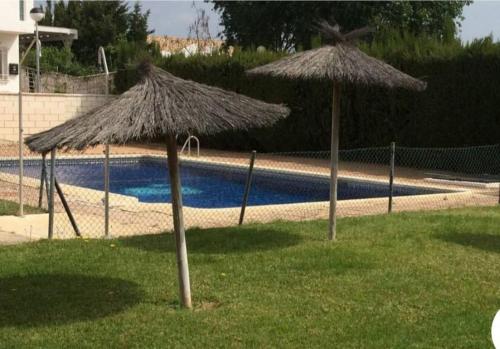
{"x":16,"y":26}
{"x":40,"y":111}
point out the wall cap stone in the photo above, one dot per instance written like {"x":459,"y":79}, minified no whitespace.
{"x":56,"y":94}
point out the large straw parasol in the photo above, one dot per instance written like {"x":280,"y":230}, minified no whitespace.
{"x":161,"y":106}
{"x":342,"y":63}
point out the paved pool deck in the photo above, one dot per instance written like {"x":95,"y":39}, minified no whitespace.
{"x":130,"y":217}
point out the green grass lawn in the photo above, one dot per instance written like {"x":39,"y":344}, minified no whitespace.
{"x":415,"y":280}
{"x":9,"y":208}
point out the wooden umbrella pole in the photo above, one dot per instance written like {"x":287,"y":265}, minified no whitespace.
{"x":334,"y":154}
{"x":180,"y":236}
{"x":51,"y":191}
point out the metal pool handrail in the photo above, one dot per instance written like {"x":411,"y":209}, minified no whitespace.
{"x":188,"y":144}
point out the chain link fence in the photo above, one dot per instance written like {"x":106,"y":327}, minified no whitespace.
{"x":9,"y":176}
{"x":283,"y":186}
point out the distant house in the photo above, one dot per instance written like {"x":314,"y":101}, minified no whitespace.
{"x":171,"y":45}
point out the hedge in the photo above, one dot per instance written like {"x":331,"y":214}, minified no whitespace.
{"x":460,"y":107}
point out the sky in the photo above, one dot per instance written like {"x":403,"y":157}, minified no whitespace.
{"x":173,"y":18}
{"x":482,"y":18}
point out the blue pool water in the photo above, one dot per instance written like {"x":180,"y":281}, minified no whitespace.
{"x":207,"y":186}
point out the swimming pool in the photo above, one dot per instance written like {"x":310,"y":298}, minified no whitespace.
{"x":207,"y":185}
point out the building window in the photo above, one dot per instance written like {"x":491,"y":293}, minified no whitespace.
{"x":21,"y":10}
{"x":4,"y":73}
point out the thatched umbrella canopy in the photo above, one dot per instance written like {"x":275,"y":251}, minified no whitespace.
{"x":342,"y":63}
{"x":160,"y":107}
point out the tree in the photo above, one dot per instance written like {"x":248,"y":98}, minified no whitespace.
{"x":439,"y":18}
{"x":48,"y":18}
{"x":290,"y":25}
{"x":99,"y":23}
{"x":138,"y":25}
{"x":200,"y":28}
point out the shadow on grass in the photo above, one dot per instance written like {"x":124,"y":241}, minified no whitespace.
{"x":486,"y":242}
{"x":55,"y":299}
{"x":220,"y":241}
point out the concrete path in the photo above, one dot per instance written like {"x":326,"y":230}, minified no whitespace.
{"x":11,"y":239}
{"x":14,"y":229}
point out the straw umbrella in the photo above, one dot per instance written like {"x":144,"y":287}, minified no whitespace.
{"x":342,"y":63}
{"x":160,"y":107}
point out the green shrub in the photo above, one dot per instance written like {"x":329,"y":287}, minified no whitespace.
{"x":62,"y":60}
{"x":124,"y":57}
{"x":460,"y":106}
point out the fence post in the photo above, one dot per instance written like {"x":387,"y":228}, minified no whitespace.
{"x":66,"y":207}
{"x":391,"y":174}
{"x":106,"y":191}
{"x":47,"y":186}
{"x":51,"y":192}
{"x":42,"y":181}
{"x":21,"y":150}
{"x":247,"y":187}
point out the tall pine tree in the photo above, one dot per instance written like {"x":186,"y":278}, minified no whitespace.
{"x":99,"y":23}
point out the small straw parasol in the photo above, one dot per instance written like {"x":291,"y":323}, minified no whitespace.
{"x":342,"y":63}
{"x":160,"y":107}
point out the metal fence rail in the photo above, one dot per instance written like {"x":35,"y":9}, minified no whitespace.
{"x":283,"y":186}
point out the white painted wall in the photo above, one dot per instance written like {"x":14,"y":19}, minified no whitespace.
{"x":9,"y":49}
{"x":10,"y":20}
{"x":11,"y":26}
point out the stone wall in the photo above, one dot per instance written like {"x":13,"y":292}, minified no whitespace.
{"x":42,"y":111}
{"x":52,"y":82}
